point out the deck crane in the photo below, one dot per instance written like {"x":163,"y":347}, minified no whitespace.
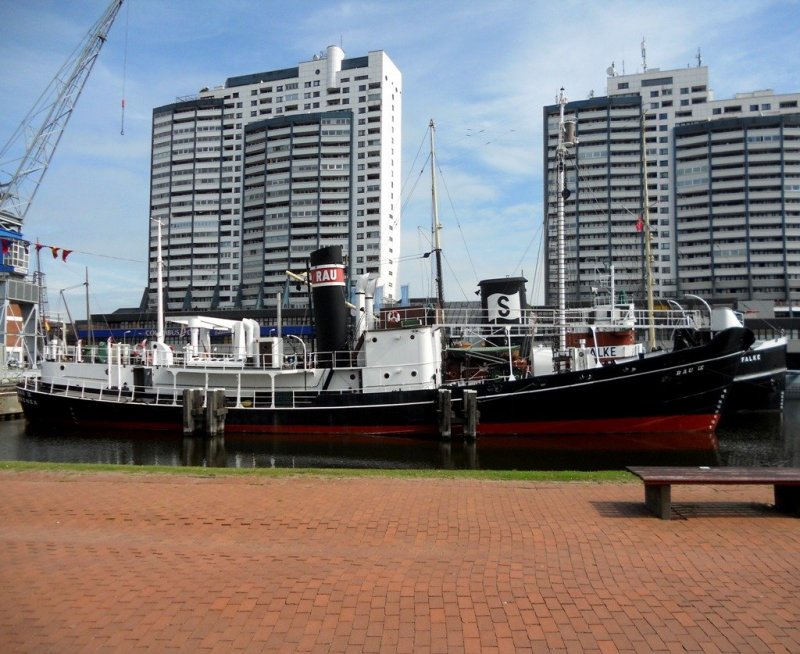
{"x":24,"y":159}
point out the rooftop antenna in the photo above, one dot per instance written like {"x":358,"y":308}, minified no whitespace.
{"x":699,"y":58}
{"x":644,"y":57}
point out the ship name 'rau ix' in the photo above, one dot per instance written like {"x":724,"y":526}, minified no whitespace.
{"x":387,"y":376}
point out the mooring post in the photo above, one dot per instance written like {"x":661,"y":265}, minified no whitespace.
{"x":215,"y":413}
{"x":470,"y":414}
{"x":192,"y":409}
{"x":444,"y":413}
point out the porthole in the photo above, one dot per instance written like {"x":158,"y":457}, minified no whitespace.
{"x":386,"y":375}
{"x":413,"y":373}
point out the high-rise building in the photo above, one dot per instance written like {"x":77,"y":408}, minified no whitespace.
{"x":249,"y":177}
{"x":723,"y":190}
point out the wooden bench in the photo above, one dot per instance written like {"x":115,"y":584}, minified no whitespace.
{"x":658,"y":482}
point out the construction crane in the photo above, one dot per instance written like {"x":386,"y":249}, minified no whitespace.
{"x":24,"y":159}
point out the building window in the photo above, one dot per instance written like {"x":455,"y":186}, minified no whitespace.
{"x":622,"y":85}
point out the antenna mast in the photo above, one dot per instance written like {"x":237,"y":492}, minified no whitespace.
{"x":644,"y":57}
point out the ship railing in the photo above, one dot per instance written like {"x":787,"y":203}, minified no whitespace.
{"x":392,"y":317}
{"x":542,"y":323}
{"x":296,"y":359}
{"x":99,"y":390}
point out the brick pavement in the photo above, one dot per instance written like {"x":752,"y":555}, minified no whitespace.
{"x":123,"y":562}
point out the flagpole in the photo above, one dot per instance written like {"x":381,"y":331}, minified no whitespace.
{"x":89,"y":334}
{"x":160,"y":287}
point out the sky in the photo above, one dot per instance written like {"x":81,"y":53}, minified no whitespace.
{"x":482,"y":70}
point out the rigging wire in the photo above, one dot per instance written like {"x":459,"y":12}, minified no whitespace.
{"x":416,"y":181}
{"x":416,"y":156}
{"x":458,"y":222}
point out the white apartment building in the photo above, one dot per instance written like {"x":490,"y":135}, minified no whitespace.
{"x":665,"y":113}
{"x":249,"y":177}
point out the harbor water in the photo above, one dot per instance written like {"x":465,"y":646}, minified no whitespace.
{"x":768,"y":439}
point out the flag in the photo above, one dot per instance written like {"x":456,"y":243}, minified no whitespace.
{"x":65,"y":254}
{"x":54,"y":250}
{"x":639,"y":223}
{"x":39,"y":246}
{"x":6,"y":246}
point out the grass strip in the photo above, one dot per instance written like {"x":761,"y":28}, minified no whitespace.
{"x":503,"y":475}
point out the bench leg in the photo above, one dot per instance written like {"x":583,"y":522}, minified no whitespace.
{"x":658,"y":498}
{"x":787,"y":499}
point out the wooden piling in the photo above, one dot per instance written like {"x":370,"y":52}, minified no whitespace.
{"x":444,"y":413}
{"x":215,"y":413}
{"x":192,"y":410}
{"x":471,"y":414}
{"x":204,"y":413}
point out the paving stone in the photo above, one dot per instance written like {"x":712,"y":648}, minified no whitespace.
{"x":115,"y":562}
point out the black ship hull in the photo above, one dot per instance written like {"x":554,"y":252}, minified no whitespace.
{"x":670,"y":392}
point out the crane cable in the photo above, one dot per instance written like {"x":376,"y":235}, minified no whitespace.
{"x":125,"y":68}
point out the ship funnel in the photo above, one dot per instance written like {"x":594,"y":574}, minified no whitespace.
{"x":502,"y":300}
{"x":503,"y":303}
{"x":328,"y":292}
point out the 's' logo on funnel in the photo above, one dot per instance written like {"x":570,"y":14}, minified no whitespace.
{"x":503,"y":308}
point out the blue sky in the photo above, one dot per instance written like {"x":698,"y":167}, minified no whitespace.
{"x":482,"y":70}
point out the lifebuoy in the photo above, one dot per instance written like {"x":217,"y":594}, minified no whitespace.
{"x":393,"y":317}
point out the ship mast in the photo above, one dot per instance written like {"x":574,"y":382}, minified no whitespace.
{"x":564,"y":141}
{"x":437,"y":246}
{"x":648,"y":257}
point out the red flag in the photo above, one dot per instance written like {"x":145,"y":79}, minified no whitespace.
{"x":39,"y":246}
{"x":639,"y":223}
{"x":6,"y":246}
{"x":65,"y":254}
{"x":54,"y":250}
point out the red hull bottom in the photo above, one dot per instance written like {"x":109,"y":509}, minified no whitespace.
{"x":693,"y":423}
{"x":658,"y":424}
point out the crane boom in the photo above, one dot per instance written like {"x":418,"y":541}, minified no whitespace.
{"x":44,"y":125}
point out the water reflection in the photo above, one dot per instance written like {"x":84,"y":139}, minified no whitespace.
{"x":767,"y":439}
